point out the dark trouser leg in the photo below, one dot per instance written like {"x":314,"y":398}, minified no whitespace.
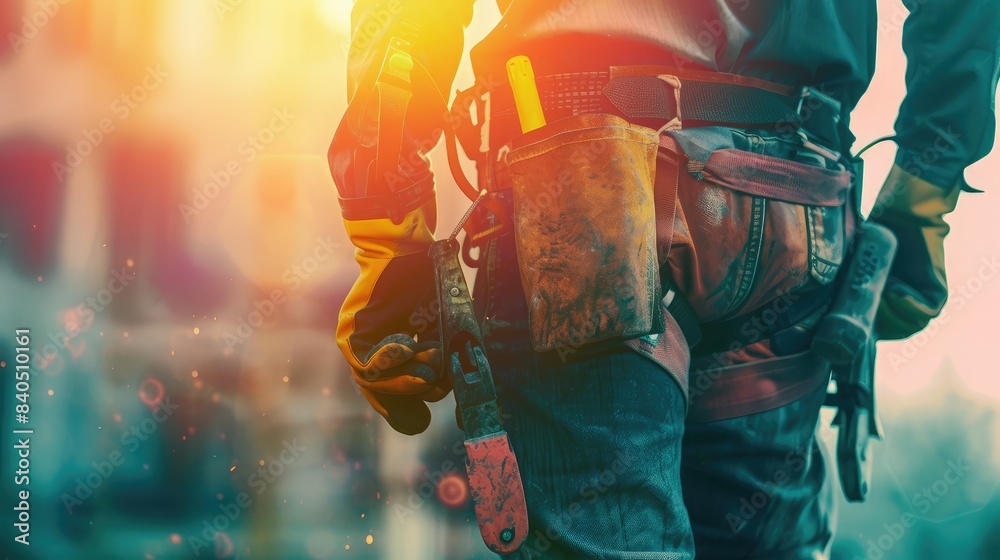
{"x":598,"y":444}
{"x":755,"y":486}
{"x":598,"y":440}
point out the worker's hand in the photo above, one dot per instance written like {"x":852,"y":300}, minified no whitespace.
{"x":917,"y":288}
{"x":399,"y":377}
{"x":387,"y":312}
{"x":385,"y":327}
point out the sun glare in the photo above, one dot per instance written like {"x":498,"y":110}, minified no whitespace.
{"x":335,"y":13}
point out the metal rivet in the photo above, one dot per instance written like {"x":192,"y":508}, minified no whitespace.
{"x":454,"y":292}
{"x":507,"y":535}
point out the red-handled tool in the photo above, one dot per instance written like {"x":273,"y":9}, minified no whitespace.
{"x":494,"y":478}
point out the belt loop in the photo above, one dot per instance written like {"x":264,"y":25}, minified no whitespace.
{"x":676,"y":123}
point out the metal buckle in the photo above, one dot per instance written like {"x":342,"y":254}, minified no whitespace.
{"x":814,"y":104}
{"x":810,"y":145}
{"x":822,"y":101}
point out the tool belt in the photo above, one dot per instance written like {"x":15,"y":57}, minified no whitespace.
{"x":663,"y":100}
{"x":694,"y":98}
{"x":659,"y":96}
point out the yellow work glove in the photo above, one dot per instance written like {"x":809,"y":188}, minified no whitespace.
{"x":389,"y":305}
{"x":388,"y":321}
{"x":917,"y":288}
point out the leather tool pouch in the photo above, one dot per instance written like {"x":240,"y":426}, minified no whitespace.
{"x":753,"y":224}
{"x":585,"y":230}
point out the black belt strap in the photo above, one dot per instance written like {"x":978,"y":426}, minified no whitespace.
{"x":704,"y":102}
{"x":705,"y":99}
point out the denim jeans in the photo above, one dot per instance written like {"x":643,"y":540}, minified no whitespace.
{"x":755,"y":486}
{"x":611,"y":471}
{"x":598,"y":440}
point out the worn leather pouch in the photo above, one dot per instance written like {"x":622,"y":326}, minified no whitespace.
{"x":585,"y":231}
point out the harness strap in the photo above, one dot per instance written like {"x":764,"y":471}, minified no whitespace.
{"x":762,"y":175}
{"x":665,"y":199}
{"x":781,"y":179}
{"x":744,"y":389}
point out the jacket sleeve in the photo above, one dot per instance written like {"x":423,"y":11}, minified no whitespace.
{"x":948,"y":119}
{"x":435,"y":31}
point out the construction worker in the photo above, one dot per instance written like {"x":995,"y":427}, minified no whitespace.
{"x":697,"y":435}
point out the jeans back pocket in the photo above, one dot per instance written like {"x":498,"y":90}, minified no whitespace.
{"x":752,"y":224}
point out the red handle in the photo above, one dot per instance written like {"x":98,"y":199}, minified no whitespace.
{"x":497,"y":493}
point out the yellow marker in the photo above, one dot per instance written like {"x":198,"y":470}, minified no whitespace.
{"x":522,"y":82}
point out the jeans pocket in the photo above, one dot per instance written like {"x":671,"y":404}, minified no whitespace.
{"x":738,"y":246}
{"x":827,"y":242}
{"x":718,"y":246}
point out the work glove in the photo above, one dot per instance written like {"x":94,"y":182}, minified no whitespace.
{"x":917,"y":288}
{"x":388,"y":321}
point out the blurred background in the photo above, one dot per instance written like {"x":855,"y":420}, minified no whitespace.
{"x":170,"y":234}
